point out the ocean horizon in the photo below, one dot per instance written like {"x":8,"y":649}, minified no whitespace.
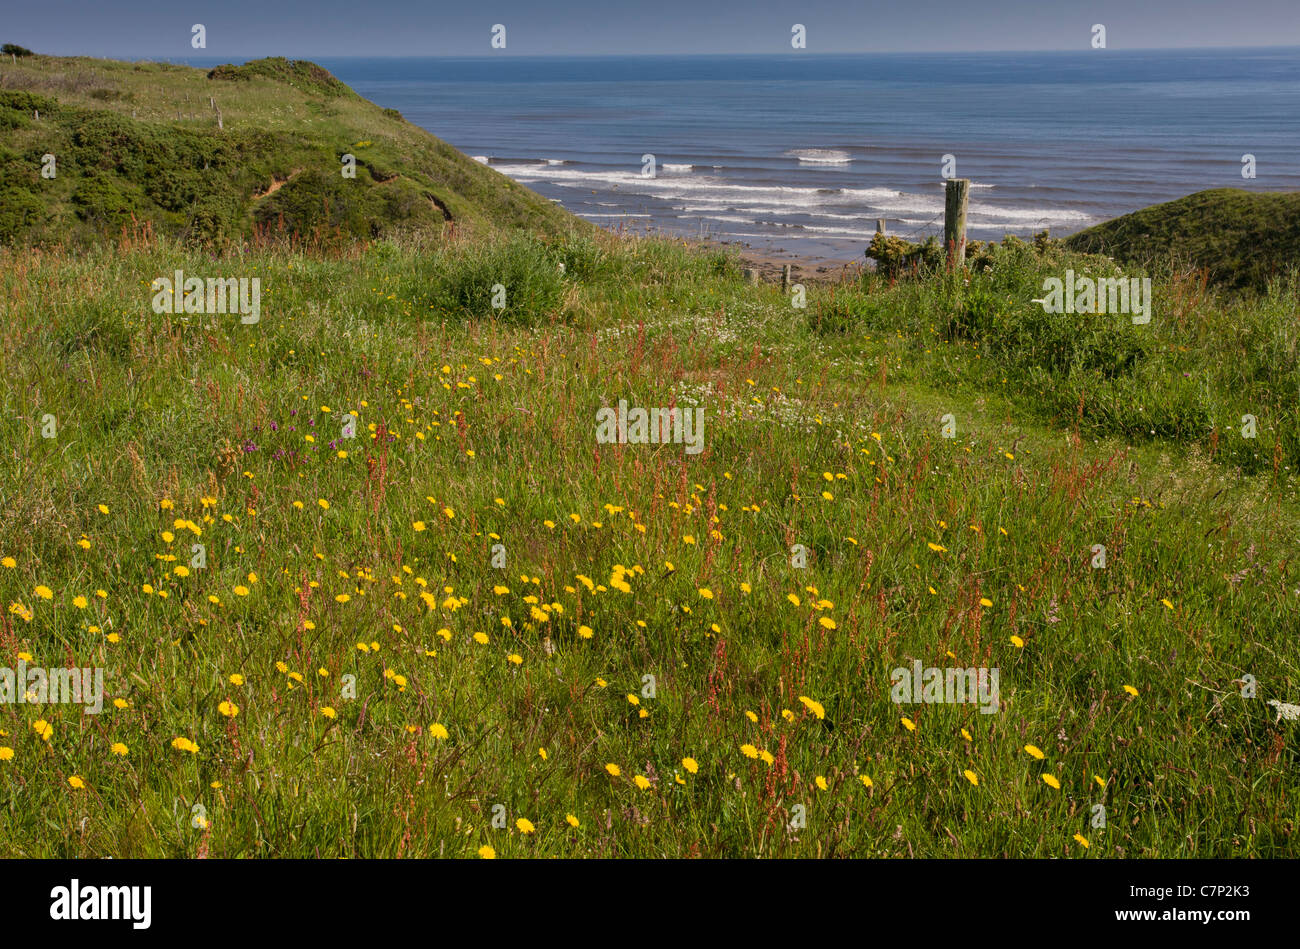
{"x":801,"y":154}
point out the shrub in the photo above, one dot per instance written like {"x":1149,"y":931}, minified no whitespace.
{"x":461,"y":285}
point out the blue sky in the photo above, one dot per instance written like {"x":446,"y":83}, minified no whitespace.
{"x":243,"y":29}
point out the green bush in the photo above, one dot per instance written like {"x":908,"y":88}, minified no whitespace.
{"x":461,"y":283}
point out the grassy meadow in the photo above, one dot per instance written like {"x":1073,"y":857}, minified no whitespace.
{"x":473,"y":630}
{"x":231,"y":730}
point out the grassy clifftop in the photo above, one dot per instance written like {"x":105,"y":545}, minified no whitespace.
{"x":210,"y":155}
{"x":1242,"y":238}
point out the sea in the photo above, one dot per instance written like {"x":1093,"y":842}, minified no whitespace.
{"x":802,"y":154}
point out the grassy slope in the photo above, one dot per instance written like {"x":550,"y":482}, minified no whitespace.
{"x":284,"y":124}
{"x":373,"y":557}
{"x":1243,"y":238}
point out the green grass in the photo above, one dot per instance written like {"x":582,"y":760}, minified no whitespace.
{"x":476,"y":428}
{"x":138,"y":144}
{"x":1240,"y":239}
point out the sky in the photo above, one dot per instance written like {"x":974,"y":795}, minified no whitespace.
{"x":244,"y":29}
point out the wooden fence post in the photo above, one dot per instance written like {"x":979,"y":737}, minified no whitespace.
{"x":785,"y":278}
{"x":954,"y":221}
{"x":880,"y":225}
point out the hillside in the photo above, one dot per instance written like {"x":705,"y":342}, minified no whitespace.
{"x":210,"y":155}
{"x":1243,"y":238}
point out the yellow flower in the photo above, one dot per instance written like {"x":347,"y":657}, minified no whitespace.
{"x":985,"y":601}
{"x":103,"y":508}
{"x":706,"y":593}
{"x":1034,"y":751}
{"x":118,"y":748}
{"x":325,"y":505}
{"x":80,"y":602}
{"x":585,"y":632}
{"x":486,"y":852}
{"x":971,"y":777}
{"x":525,"y":825}
{"x":328,"y":712}
{"x":815,"y":707}
{"x":1082,"y":840}
{"x":572,"y":821}
{"x":642,"y":782}
{"x":6,"y":754}
{"x":1130,"y":690}
{"x":8,"y":563}
{"x":481,"y":638}
{"x":909,"y":724}
{"x":241,"y":591}
{"x":236,"y":679}
{"x":76,"y":782}
{"x":691,"y":765}
{"x":438,"y":731}
{"x":613,"y":769}
{"x":228,"y":709}
{"x":1017,"y":642}
{"x":1051,"y":782}
{"x":44,"y":592}
{"x":827,"y":622}
{"x":184,"y":744}
{"x":749,"y":751}
{"x":866,"y":781}
{"x":1168,"y":604}
{"x":821,"y":782}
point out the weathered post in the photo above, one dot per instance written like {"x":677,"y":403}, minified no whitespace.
{"x":880,"y":225}
{"x":954,"y":221}
{"x":785,"y":278}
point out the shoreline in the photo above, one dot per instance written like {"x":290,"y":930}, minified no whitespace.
{"x":803,"y":269}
